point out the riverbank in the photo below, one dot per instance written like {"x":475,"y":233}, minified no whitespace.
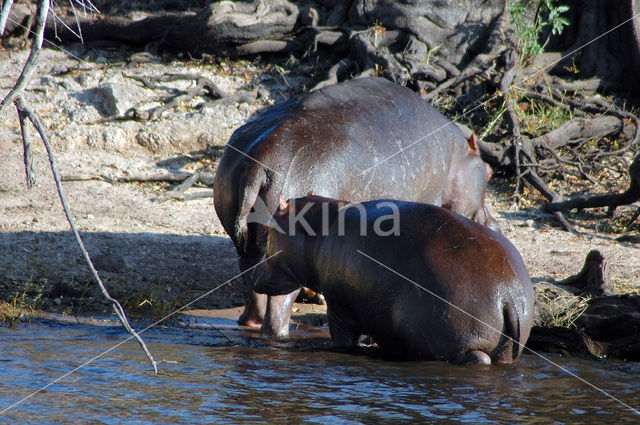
{"x":157,"y":253}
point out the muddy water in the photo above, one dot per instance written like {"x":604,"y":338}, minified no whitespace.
{"x":205,"y":378}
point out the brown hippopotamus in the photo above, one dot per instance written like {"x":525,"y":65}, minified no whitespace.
{"x":419,"y":279}
{"x":344,"y":141}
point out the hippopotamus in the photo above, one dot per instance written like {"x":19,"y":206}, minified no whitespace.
{"x":420,"y":280}
{"x":363,"y":139}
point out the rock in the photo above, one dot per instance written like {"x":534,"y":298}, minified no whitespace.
{"x":151,"y":141}
{"x":114,"y":139}
{"x":117,"y":99}
{"x":88,"y":79}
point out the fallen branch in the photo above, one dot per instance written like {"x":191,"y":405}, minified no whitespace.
{"x":203,"y":86}
{"x":27,"y":150}
{"x":334,"y":73}
{"x":25,"y":114}
{"x":240,"y":97}
{"x":611,"y":201}
{"x":200,"y":177}
{"x":565,"y":341}
{"x":576,"y":129}
{"x":178,"y":191}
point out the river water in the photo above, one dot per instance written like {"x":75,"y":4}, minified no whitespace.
{"x":242,"y":378}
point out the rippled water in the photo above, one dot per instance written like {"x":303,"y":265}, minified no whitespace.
{"x":205,"y":378}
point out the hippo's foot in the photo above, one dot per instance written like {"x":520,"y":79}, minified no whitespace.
{"x":254,"y":310}
{"x":250,"y":322}
{"x":246,"y":319}
{"x":475,"y":357}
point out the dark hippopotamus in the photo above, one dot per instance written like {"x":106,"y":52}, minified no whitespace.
{"x":343,"y":141}
{"x":419,"y":279}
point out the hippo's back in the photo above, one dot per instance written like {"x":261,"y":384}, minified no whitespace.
{"x":372,"y":115}
{"x":447,"y":282}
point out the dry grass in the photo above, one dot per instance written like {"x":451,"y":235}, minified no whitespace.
{"x":559,"y":308}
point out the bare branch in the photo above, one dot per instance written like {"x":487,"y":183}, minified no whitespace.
{"x":26,"y":144}
{"x":117,"y":308}
{"x":27,"y":70}
{"x":4,"y":15}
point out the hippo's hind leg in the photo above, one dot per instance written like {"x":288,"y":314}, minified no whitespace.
{"x":254,"y":309}
{"x":474,"y":357}
{"x":344,"y":330}
{"x":255,"y":304}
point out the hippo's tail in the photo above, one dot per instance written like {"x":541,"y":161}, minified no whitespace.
{"x":514,"y":334}
{"x":512,"y":326}
{"x":252,"y":183}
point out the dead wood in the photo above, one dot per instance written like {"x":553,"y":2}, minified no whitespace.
{"x":577,"y":129}
{"x":561,"y":340}
{"x":608,"y":327}
{"x":198,"y":177}
{"x":240,"y":97}
{"x":334,"y":73}
{"x":629,"y":238}
{"x":26,"y":116}
{"x":581,"y":315}
{"x":178,"y":192}
{"x":592,"y":279}
{"x":614,"y":321}
{"x":611,"y":201}
{"x":503,"y":156}
{"x":203,"y":87}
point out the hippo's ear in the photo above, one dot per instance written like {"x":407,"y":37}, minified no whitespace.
{"x":310,"y":193}
{"x":283,"y":206}
{"x":473,"y":144}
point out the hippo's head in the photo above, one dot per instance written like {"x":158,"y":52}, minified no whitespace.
{"x":294,"y":222}
{"x":467,"y":187}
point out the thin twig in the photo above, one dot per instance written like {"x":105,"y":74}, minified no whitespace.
{"x":117,"y":308}
{"x":26,"y":145}
{"x":4,"y":15}
{"x":27,"y":70}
